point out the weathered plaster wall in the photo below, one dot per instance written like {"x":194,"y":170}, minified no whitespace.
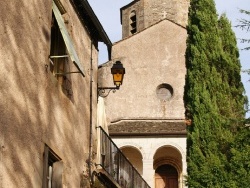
{"x":33,"y":108}
{"x":152,"y":57}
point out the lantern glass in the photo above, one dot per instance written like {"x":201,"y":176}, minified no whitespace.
{"x":117,"y":79}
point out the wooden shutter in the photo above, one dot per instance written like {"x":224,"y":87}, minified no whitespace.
{"x":57,"y":174}
{"x":67,"y":39}
{"x":45,"y":166}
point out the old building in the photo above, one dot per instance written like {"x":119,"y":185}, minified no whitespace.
{"x":146,"y":116}
{"x":48,"y":92}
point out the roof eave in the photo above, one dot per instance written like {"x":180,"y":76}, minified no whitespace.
{"x":102,"y":35}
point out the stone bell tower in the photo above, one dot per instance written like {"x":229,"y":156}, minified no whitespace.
{"x":146,"y":115}
{"x":140,"y":14}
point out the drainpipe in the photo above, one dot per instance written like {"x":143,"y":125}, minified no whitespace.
{"x":91,"y":112}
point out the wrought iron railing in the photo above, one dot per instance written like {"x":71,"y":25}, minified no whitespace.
{"x":117,"y":165}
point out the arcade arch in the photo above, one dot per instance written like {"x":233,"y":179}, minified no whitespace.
{"x":134,"y":156}
{"x":168,"y":167}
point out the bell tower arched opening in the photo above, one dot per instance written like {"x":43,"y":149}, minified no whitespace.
{"x":133,"y":22}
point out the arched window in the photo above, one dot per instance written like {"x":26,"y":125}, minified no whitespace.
{"x":133,"y":22}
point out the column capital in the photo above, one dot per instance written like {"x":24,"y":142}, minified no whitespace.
{"x":148,"y":161}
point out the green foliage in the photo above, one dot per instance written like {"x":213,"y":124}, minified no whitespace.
{"x":231,"y":70}
{"x":239,"y":162}
{"x":213,"y":96}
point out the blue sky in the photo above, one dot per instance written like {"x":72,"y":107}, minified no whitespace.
{"x":108,"y":12}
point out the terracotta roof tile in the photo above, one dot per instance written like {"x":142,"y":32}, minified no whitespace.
{"x":148,"y":128}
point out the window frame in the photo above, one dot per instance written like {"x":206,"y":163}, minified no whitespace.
{"x":50,"y":158}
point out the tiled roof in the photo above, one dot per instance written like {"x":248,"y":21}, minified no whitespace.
{"x":147,"y":128}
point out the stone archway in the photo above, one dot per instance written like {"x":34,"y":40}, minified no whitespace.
{"x":168,"y":167}
{"x":134,"y":156}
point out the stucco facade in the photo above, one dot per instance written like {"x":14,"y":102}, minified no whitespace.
{"x":35,"y":110}
{"x":151,"y":58}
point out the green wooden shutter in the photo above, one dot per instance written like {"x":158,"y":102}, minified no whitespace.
{"x":67,"y":39}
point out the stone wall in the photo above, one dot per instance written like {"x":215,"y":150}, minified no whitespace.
{"x":169,"y":147}
{"x":175,"y":10}
{"x":136,"y":6}
{"x":150,"y":12}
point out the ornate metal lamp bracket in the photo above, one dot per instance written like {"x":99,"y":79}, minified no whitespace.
{"x":104,"y":91}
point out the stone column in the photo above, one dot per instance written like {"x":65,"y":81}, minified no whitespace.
{"x":184,"y":172}
{"x":148,"y":171}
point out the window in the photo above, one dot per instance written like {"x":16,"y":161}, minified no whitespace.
{"x":62,"y":48}
{"x":52,"y":169}
{"x":58,"y":53}
{"x":62,"y":51}
{"x":133,"y":22}
{"x":164,"y":92}
{"x":59,"y":59}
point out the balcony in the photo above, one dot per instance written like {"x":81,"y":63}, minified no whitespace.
{"x":117,"y":171}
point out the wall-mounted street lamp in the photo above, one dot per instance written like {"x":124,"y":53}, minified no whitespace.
{"x":118,"y":72}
